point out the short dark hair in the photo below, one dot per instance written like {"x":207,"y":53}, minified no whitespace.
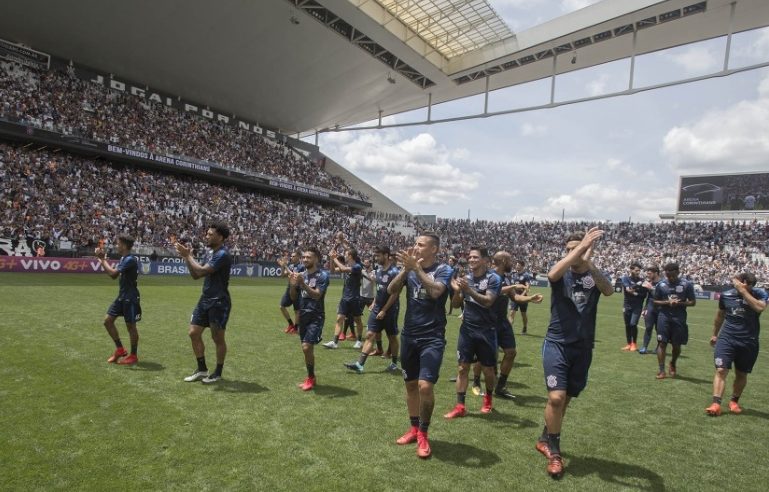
{"x":313,"y":250}
{"x":653,"y":268}
{"x":127,"y":240}
{"x":748,"y":278}
{"x":575,"y":236}
{"x":385,"y":250}
{"x":635,"y":264}
{"x":221,"y":228}
{"x":433,"y":237}
{"x":671,"y":267}
{"x":480,"y":249}
{"x":354,"y":253}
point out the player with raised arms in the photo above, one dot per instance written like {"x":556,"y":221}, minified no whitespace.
{"x":423,"y":339}
{"x":127,"y":303}
{"x":214,"y":305}
{"x":576,"y":285}
{"x":310,"y":287}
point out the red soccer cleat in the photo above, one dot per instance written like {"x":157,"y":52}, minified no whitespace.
{"x":714,"y":410}
{"x":341,"y":337}
{"x":661,"y":375}
{"x":555,"y":466}
{"x":308,"y":384}
{"x":409,"y":437}
{"x":289,"y":328}
{"x":129,"y":361}
{"x":119,"y":352}
{"x":735,"y":407}
{"x":633,"y":347}
{"x":672,"y":370}
{"x":486,"y":408}
{"x":423,"y":445}
{"x":543,"y":448}
{"x":626,"y":348}
{"x":457,"y":411}
{"x":294,"y":330}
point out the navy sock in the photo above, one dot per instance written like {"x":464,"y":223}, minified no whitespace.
{"x":118,"y":343}
{"x":134,"y":348}
{"x":554,"y":443}
{"x":543,"y":437}
{"x":423,"y":426}
{"x":336,"y":338}
{"x":717,"y":399}
{"x":219,"y":369}
{"x":202,"y":364}
{"x":379,"y":345}
{"x":461,"y":397}
{"x":414,"y":421}
{"x":362,"y":358}
{"x":735,"y":398}
{"x":502,"y":381}
{"x":477,"y":381}
{"x":310,"y":370}
{"x":395,"y":359}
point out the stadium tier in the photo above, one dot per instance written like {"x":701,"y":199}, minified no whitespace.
{"x":63,"y":103}
{"x":60,"y":196}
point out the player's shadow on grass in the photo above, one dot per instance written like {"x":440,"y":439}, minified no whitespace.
{"x":233,"y":386}
{"x":690,"y":379}
{"x":148,"y":366}
{"x":463,"y":455}
{"x":506,"y":419}
{"x":530,"y":400}
{"x":334,"y":391}
{"x":625,"y":475}
{"x":755,"y":413}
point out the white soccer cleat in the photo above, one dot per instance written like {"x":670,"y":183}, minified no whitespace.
{"x":196,"y":376}
{"x":331,"y":345}
{"x":358,"y":344}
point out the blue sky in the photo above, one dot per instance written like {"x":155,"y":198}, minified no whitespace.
{"x":611,"y":159}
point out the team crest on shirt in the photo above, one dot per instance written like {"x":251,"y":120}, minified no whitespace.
{"x":483,"y":285}
{"x":552,"y":381}
{"x":719,"y":362}
{"x":588,"y":282}
{"x":312,"y":283}
{"x":385,"y":278}
{"x":679,"y":288}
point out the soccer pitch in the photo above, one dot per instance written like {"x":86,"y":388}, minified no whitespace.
{"x":74,"y":422}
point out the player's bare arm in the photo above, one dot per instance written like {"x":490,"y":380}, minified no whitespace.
{"x":754,"y":304}
{"x":196,"y":269}
{"x":102,"y":257}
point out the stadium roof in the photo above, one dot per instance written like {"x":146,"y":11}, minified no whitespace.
{"x":304,"y":65}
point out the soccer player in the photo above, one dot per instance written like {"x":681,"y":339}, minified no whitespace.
{"x":735,"y":337}
{"x":213,"y":308}
{"x":423,"y":339}
{"x":522,"y":281}
{"x":286,"y":268}
{"x":383,"y":314}
{"x":576,"y":286}
{"x":310,"y":287}
{"x":503,"y":264}
{"x":671,"y":297}
{"x":349,"y":305}
{"x":634,"y":296}
{"x":478,"y":290}
{"x":649,"y":312}
{"x":127,"y":303}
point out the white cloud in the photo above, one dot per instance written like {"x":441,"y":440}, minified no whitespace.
{"x":598,"y":86}
{"x":417,"y":169}
{"x":572,"y":5}
{"x":532,"y":130}
{"x":696,"y":59}
{"x":600,"y":202}
{"x":734,"y":139}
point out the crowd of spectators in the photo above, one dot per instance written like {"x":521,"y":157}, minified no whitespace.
{"x":63,"y":103}
{"x":57,"y":196}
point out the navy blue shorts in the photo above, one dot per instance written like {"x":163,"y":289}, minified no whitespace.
{"x":212,"y":313}
{"x":286,"y":301}
{"x":566,"y":366}
{"x":632,"y":315}
{"x":421,"y":358}
{"x":131,"y":311}
{"x":522,"y":307}
{"x":672,"y":330}
{"x":311,"y":332}
{"x":742,"y":352}
{"x":480,"y":345}
{"x":389,"y":324}
{"x":505,"y":335}
{"x":350,"y":307}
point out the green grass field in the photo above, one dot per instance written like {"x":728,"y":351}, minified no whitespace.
{"x":74,"y":422}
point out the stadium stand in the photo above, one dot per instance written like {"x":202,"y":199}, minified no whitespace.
{"x":56,"y":101}
{"x":53,"y":196}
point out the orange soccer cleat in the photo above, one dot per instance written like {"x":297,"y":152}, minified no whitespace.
{"x":409,"y":437}
{"x":714,"y":410}
{"x":129,"y":361}
{"x":308,"y":384}
{"x":119,"y":352}
{"x":457,"y":411}
{"x":423,"y":445}
{"x":735,"y":407}
{"x":555,"y":466}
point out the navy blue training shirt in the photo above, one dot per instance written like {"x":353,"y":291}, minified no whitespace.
{"x":425,"y":316}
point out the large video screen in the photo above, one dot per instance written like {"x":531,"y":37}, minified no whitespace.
{"x":724,"y":192}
